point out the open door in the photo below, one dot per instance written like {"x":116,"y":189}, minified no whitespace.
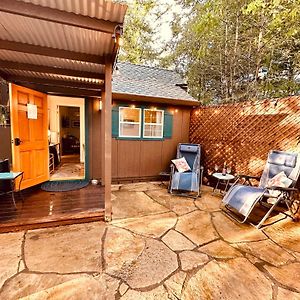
{"x":29,"y":124}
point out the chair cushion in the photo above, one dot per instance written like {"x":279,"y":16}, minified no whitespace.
{"x":189,"y":148}
{"x":280,"y":180}
{"x":181,"y":164}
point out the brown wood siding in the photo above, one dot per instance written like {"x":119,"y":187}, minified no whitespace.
{"x":136,"y":159}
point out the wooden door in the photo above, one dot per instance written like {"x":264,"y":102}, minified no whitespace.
{"x":30,"y":150}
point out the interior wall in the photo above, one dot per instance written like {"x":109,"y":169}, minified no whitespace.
{"x":72,"y":115}
{"x":136,"y":159}
{"x":53,"y":108}
{"x":5,"y":131}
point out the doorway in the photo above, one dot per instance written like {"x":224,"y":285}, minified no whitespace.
{"x":66,"y":138}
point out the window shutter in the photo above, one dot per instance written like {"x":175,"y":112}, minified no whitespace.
{"x":168,"y":125}
{"x":115,"y":121}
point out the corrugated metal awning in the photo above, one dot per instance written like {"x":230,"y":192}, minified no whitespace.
{"x":46,"y":44}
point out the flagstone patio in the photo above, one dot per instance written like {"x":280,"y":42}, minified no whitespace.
{"x":158,"y":246}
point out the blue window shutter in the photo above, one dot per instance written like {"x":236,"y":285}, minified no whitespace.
{"x":115,"y":121}
{"x":168,"y":125}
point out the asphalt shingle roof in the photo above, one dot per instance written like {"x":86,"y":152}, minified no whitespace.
{"x":148,"y":81}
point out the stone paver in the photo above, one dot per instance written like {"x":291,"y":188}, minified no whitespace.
{"x":121,"y":248}
{"x":192,"y":259}
{"x":220,"y":249}
{"x":284,"y":294}
{"x":234,"y":279}
{"x":234,"y":232}
{"x":267,"y":251}
{"x":153,"y":266}
{"x":10,"y":254}
{"x":288,"y":275}
{"x":76,"y":248}
{"x":208,"y":202}
{"x":155,"y":294}
{"x":174,"y":285}
{"x":179,"y":205}
{"x":197,"y":226}
{"x":285,"y":234}
{"x":129,"y":204}
{"x":150,"y":226}
{"x":158,"y":246}
{"x":177,"y":242}
{"x":83,"y":287}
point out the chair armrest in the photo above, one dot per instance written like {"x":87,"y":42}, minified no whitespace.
{"x":247,"y":177}
{"x":283,"y":189}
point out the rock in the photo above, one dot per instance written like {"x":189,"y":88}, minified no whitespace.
{"x":177,"y":242}
{"x":191,"y":260}
{"x":149,"y":226}
{"x":141,"y":186}
{"x":220,"y":249}
{"x":234,"y":232}
{"x":153,"y":266}
{"x":267,"y":251}
{"x":208,"y":202}
{"x":174,"y":285}
{"x":156,"y":294}
{"x":134,"y":204}
{"x":179,"y":205}
{"x":288,"y":275}
{"x":286,"y":234}
{"x":10,"y":255}
{"x":284,"y":294}
{"x":66,"y":249}
{"x":123,"y":288}
{"x":197,"y":226}
{"x":234,"y":279}
{"x":84,"y":287}
{"x":121,"y":248}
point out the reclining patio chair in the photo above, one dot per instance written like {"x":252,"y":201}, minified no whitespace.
{"x":185,"y":183}
{"x":240,"y":200}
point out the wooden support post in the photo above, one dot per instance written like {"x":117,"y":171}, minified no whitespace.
{"x":106,"y":113}
{"x":102,"y":130}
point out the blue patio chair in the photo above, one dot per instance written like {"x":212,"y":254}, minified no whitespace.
{"x":240,"y":200}
{"x":185,"y":183}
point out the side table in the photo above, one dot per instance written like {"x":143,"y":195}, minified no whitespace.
{"x":12,"y":176}
{"x":222,"y":179}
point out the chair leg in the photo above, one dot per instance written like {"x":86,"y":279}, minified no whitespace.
{"x":268,"y":213}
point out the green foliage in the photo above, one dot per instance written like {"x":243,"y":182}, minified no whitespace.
{"x":225,"y":48}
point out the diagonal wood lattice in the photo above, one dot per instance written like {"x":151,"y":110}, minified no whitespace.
{"x":242,"y":134}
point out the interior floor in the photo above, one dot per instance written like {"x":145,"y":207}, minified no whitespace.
{"x":69,"y":167}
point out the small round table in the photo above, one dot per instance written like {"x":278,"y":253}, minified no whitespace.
{"x":222,"y":179}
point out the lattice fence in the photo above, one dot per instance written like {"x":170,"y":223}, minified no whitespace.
{"x":242,"y":134}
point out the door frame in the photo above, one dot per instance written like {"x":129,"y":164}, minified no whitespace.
{"x":54,"y":102}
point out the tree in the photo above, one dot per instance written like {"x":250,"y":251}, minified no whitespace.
{"x":238,"y":50}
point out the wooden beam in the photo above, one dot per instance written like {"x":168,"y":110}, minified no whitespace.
{"x":64,"y":91}
{"x":51,"y":52}
{"x":56,"y":16}
{"x":55,"y":82}
{"x":46,"y":69}
{"x":106,"y":113}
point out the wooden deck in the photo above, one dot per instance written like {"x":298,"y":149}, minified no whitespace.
{"x":45,"y":209}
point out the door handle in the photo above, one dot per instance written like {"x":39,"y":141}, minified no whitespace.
{"x":18,"y":141}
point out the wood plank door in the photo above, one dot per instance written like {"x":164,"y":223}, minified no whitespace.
{"x":30,"y":149}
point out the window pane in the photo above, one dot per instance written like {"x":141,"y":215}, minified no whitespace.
{"x":131,"y":130}
{"x":128,"y":114}
{"x":153,"y":116}
{"x":153,"y":131}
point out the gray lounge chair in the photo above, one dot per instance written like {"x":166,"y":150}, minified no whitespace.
{"x":187,"y":183}
{"x":240,"y":200}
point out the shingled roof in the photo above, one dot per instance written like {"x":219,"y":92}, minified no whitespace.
{"x":152,"y":82}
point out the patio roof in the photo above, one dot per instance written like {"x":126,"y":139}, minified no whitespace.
{"x":48,"y":44}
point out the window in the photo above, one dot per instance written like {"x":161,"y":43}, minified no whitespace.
{"x":130,"y":122}
{"x":153,"y":123}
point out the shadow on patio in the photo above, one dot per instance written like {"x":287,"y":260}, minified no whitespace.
{"x":158,"y":246}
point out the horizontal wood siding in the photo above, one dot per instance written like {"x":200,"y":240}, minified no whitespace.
{"x":136,"y":159}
